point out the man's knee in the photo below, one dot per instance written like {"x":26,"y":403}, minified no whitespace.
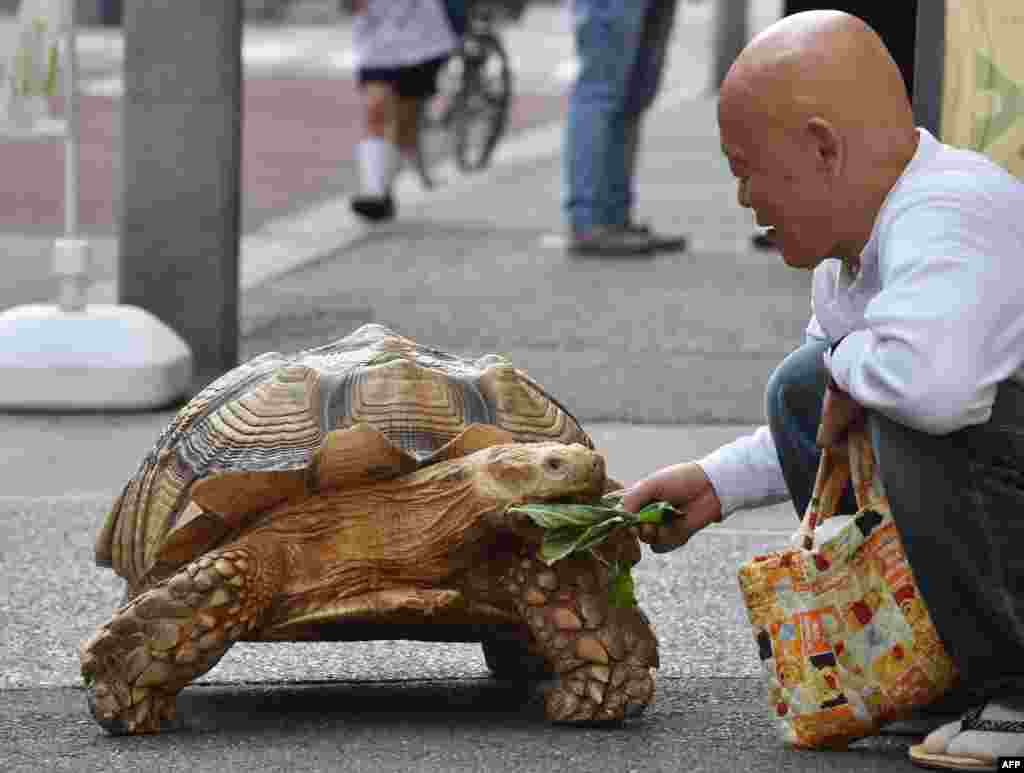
{"x":796,"y":386}
{"x":776,"y":394}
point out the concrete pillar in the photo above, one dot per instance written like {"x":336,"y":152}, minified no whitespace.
{"x":181,"y":172}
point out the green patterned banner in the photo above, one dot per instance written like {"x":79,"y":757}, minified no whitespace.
{"x":983,"y":92}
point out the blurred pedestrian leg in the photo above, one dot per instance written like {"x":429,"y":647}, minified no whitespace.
{"x":621,"y":47}
{"x":400,"y":48}
{"x":645,"y":83}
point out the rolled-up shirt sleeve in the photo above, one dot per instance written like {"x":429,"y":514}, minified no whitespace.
{"x":948,"y":324}
{"x":746,"y":472}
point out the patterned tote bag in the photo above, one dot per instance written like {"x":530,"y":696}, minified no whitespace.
{"x":842,"y":631}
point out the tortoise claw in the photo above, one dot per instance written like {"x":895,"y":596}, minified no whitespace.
{"x":136,"y":664}
{"x":604,"y":656}
{"x":585,"y":698}
{"x":155,"y":714}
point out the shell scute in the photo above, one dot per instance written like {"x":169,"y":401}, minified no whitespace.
{"x":407,"y":406}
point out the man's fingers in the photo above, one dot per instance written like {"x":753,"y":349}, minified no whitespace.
{"x":639,"y":495}
{"x":664,"y":538}
{"x":670,"y":537}
{"x":648,"y":532}
{"x":825,"y":437}
{"x":839,"y":412}
{"x":826,"y":431}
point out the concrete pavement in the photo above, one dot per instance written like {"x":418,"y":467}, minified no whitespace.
{"x":662,"y":359}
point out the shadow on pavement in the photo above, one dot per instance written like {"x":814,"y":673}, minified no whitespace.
{"x":695,"y":724}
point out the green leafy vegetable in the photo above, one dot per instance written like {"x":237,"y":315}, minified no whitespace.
{"x":620,"y":586}
{"x":575,"y":528}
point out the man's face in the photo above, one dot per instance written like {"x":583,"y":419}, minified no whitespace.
{"x":781,"y":179}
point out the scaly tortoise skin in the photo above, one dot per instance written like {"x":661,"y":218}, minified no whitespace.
{"x":359,"y":491}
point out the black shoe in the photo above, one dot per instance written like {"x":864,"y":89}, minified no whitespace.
{"x":611,"y":242}
{"x":661,"y":242}
{"x":374,"y":208}
{"x":762,"y":240}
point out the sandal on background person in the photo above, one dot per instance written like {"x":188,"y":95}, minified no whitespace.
{"x":976,"y":741}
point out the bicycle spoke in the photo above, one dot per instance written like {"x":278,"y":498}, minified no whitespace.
{"x":487,"y":87}
{"x":435,"y":140}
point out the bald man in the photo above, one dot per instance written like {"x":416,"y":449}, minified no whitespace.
{"x":917,"y":254}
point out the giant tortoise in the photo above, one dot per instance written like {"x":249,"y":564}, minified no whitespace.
{"x":359,"y":491}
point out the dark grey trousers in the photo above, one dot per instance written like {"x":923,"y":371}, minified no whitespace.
{"x":958,"y":502}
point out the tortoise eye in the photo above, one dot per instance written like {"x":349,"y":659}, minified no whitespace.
{"x":553,"y":463}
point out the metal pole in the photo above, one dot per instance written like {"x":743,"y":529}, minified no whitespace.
{"x":71,"y":130}
{"x":731,"y":35}
{"x":66,"y":356}
{"x":70,"y":253}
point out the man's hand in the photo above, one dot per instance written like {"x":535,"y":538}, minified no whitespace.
{"x":839,"y":414}
{"x":685,"y":487}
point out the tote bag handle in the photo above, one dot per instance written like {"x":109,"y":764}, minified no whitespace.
{"x":854,"y":460}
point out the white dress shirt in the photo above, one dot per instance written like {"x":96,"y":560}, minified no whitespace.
{"x":929,"y":326}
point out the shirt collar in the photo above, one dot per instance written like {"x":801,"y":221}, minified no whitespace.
{"x":927,"y":147}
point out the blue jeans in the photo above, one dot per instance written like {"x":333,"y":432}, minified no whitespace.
{"x":621,"y":46}
{"x":957,"y":500}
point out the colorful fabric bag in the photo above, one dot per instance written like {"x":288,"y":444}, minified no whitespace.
{"x":842,"y":631}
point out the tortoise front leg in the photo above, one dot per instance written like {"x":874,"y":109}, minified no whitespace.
{"x":137,"y":663}
{"x":603,"y":655}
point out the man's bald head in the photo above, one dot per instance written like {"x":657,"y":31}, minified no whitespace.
{"x":822,"y":94}
{"x":821,"y":63}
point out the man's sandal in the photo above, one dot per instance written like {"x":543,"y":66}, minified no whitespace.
{"x":977,"y":740}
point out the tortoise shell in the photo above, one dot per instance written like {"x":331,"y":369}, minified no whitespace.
{"x":268,"y":422}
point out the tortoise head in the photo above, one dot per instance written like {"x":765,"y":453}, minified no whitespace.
{"x":538,"y":472}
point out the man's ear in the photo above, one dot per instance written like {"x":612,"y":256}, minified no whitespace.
{"x":828,"y":145}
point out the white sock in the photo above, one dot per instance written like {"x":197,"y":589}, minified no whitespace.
{"x":379,"y":164}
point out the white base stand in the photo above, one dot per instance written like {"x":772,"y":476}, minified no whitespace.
{"x":105,"y":357}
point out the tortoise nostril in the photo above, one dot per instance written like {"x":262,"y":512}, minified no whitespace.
{"x":553,"y":463}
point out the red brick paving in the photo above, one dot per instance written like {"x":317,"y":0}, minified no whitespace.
{"x":297,"y":139}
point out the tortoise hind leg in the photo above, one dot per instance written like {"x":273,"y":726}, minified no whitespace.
{"x":603,"y":656}
{"x":136,"y":664}
{"x":513,"y":656}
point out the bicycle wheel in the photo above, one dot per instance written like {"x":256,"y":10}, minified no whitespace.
{"x":487,"y":83}
{"x":435,"y":136}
